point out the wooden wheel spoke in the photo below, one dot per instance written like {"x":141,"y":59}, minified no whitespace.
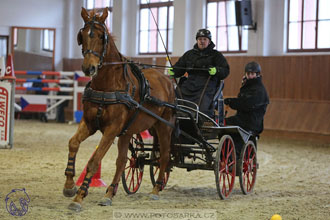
{"x":137,"y":176}
{"x":230,"y":151}
{"x":231,"y":163}
{"x":253,"y":156}
{"x":223,"y":152}
{"x":132,"y":180}
{"x":249,"y":150}
{"x":224,"y":185}
{"x":156,"y":170}
{"x":248,"y":183}
{"x":129,"y":171}
{"x":222,"y":168}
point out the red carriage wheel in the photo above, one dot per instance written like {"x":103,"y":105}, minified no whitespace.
{"x":248,"y":168}
{"x":225,"y":166}
{"x":133,"y":173}
{"x":154,"y":167}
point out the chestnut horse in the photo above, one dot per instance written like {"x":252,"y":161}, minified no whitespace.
{"x":112,"y":77}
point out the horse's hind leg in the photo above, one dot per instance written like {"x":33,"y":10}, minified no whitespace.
{"x":164,"y":135}
{"x":123,"y":143}
{"x":81,"y":134}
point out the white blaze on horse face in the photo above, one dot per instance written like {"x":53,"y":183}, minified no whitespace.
{"x":91,"y":61}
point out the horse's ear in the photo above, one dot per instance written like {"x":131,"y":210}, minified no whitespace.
{"x":84,"y":14}
{"x":104,"y":14}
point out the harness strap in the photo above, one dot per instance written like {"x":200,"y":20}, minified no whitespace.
{"x":130,"y":122}
{"x":144,"y":91}
{"x":98,"y":115}
{"x":104,"y":98}
{"x":70,"y":171}
{"x":85,"y":185}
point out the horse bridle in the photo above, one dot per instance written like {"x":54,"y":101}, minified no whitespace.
{"x":91,"y":34}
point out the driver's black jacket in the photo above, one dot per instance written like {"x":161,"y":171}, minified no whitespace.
{"x":192,"y":86}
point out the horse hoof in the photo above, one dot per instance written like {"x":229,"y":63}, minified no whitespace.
{"x":70,"y":192}
{"x":154,"y":197}
{"x":105,"y":202}
{"x":75,"y":206}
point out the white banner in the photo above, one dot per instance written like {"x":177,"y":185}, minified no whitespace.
{"x":5,"y":109}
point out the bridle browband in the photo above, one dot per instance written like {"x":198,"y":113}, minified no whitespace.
{"x":91,"y":34}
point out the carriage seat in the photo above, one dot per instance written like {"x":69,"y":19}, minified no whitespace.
{"x":217,"y":102}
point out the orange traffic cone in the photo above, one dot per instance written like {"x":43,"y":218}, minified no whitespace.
{"x":96,"y":179}
{"x":10,"y":68}
{"x":145,"y":135}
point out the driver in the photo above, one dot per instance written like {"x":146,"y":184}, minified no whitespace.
{"x":201,"y":62}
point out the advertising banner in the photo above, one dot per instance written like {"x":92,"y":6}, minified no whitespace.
{"x":5,"y":113}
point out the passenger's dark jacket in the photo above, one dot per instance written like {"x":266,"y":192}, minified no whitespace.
{"x":193,"y":86}
{"x":251,"y":104}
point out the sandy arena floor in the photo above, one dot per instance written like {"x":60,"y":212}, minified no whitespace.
{"x":293,"y":180}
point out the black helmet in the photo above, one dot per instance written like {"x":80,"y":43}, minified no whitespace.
{"x":253,"y":67}
{"x":204,"y":33}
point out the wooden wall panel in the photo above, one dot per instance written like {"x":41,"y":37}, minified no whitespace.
{"x":300,"y":116}
{"x":29,"y":61}
{"x":72,"y":64}
{"x":298,"y":86}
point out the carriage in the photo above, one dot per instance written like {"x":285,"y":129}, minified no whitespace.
{"x":120,"y":100}
{"x":198,"y":142}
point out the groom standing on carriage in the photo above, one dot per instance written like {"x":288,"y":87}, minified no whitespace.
{"x":206,"y":67}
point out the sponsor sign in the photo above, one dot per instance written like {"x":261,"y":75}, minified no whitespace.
{"x":5,"y":109}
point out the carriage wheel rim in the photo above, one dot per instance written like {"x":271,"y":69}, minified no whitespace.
{"x":226,"y":168}
{"x":132,"y":175}
{"x":249,"y":169}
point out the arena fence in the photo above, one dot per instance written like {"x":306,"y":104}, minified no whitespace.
{"x":43,"y":91}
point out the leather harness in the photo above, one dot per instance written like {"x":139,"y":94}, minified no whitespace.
{"x":121,"y":97}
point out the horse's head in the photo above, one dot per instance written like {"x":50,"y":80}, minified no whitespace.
{"x":94,"y":40}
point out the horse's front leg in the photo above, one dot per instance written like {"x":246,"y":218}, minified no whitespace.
{"x":92,"y":167}
{"x":81,"y":134}
{"x":123,"y":143}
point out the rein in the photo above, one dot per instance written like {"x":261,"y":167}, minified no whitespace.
{"x":152,"y":65}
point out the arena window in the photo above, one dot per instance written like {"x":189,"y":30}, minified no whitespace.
{"x":98,"y":6}
{"x":150,"y":41}
{"x":47,"y":40}
{"x":15,"y":37}
{"x":3,"y":45}
{"x":221,"y":21}
{"x":308,"y":25}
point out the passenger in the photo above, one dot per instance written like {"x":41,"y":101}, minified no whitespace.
{"x":251,"y":102}
{"x":201,"y":62}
